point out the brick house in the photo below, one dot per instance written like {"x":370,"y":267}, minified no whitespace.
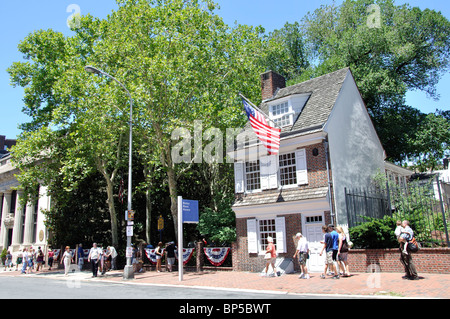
{"x":328,"y":142}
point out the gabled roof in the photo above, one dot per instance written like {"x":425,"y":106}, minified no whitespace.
{"x":324,"y":91}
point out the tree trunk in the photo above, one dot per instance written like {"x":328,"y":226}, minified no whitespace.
{"x":112,"y":212}
{"x":148,"y":216}
{"x":173,"y":191}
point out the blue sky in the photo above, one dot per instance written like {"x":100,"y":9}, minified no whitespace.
{"x":18,"y":18}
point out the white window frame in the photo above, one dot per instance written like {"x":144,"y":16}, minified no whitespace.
{"x":262,"y":242}
{"x":292,"y":165}
{"x":278,"y":117}
{"x":257,"y":244}
{"x":247,"y":173}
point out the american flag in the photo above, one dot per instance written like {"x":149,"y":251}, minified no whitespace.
{"x":269,"y":136}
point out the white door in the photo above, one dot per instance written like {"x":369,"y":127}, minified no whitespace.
{"x":314,"y":235}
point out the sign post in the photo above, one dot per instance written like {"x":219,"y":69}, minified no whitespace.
{"x":187,"y":213}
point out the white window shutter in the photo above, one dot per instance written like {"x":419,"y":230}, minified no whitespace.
{"x":264,"y":172}
{"x":273,"y":172}
{"x":269,"y":172}
{"x":280,"y":228}
{"x":239,"y":177}
{"x":301,"y":167}
{"x":252,"y":236}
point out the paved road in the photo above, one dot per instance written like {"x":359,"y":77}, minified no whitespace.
{"x":45,"y":288}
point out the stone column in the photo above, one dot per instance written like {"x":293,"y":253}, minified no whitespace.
{"x":17,"y":231}
{"x":5,"y":213}
{"x":29,"y":225}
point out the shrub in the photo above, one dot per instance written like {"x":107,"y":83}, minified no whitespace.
{"x":374,"y":233}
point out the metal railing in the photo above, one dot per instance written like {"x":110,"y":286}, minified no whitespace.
{"x":421,"y":203}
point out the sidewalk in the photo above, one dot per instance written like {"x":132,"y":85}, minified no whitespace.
{"x":366,"y":284}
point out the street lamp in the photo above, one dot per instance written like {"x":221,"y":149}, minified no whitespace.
{"x":128,"y":272}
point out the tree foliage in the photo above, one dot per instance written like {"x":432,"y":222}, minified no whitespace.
{"x":408,"y":50}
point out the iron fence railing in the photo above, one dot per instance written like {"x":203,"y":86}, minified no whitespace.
{"x":421,"y":203}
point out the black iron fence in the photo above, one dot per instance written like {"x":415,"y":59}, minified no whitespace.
{"x":422,"y":203}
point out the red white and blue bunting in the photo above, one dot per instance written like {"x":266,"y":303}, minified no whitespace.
{"x":217,"y":256}
{"x":187,"y":254}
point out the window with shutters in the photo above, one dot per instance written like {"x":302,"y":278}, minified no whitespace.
{"x":267,"y":229}
{"x":288,"y":171}
{"x":252,"y":176}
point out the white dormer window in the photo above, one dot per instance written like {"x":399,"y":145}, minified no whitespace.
{"x":286,"y":110}
{"x":282,"y":114}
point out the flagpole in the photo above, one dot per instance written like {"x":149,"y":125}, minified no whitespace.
{"x":268,"y":117}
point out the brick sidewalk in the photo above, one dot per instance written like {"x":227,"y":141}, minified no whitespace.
{"x":388,"y":284}
{"x":367,"y":284}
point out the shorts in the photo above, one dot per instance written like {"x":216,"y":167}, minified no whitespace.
{"x":329,"y":258}
{"x":343,"y":257}
{"x":302,"y":258}
{"x":170,"y":260}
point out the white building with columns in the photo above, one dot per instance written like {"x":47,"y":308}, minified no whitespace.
{"x":21,"y":227}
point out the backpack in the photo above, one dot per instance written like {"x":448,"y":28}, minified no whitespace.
{"x":413,"y":245}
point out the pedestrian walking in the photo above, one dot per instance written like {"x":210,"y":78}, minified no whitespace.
{"x":343,"y":251}
{"x":302,"y":252}
{"x":406,"y":258}
{"x":94,"y":258}
{"x":170,"y":255}
{"x":102,"y":261}
{"x":328,"y":247}
{"x":8,"y":261}
{"x":80,"y":257}
{"x":159,"y":254}
{"x":24,"y":261}
{"x":19,"y":260}
{"x":112,"y":252}
{"x":270,"y":256}
{"x":39,"y":259}
{"x":335,"y":237}
{"x":31,"y":258}
{"x":67,"y":258}
{"x":51,"y":255}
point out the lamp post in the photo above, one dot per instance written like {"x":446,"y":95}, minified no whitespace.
{"x":128,"y":272}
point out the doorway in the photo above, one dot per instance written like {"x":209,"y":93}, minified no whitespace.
{"x":313,"y":232}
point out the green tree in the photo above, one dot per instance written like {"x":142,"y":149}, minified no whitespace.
{"x":431,"y":141}
{"x":285,"y":51}
{"x":179,"y":61}
{"x":408,"y":50}
{"x":76,"y":127}
{"x":182,"y":64}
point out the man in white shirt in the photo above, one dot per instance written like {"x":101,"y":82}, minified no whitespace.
{"x":94,"y":256}
{"x":302,"y":252}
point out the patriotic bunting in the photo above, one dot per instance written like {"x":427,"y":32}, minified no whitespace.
{"x":217,"y":256}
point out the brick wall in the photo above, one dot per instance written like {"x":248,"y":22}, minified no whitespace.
{"x":243,"y":261}
{"x":270,"y":82}
{"x":427,"y":260}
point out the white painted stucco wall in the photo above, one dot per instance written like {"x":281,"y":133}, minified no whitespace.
{"x":356,"y":153}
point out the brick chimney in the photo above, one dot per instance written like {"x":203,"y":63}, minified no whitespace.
{"x":270,"y":82}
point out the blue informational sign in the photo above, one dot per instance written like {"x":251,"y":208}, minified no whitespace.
{"x":190,"y":211}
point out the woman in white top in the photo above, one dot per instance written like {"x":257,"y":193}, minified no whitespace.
{"x":67,"y":258}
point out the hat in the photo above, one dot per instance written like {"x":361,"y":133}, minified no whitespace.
{"x":331,"y":225}
{"x":270,"y":239}
{"x":298,"y":235}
